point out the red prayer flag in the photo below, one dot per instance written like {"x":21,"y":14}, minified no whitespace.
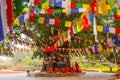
{"x":71,"y":31}
{"x":86,"y":27}
{"x":116,"y":17}
{"x":93,"y":4}
{"x":117,"y":31}
{"x":73,"y":5}
{"x":9,"y":12}
{"x":32,"y":15}
{"x":49,"y":11}
{"x":57,"y":22}
{"x":37,"y":2}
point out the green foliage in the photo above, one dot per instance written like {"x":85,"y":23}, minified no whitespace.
{"x":26,"y":62}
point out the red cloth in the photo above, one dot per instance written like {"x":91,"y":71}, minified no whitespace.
{"x":9,"y":12}
{"x":117,"y":31}
{"x":37,"y":2}
{"x":64,"y":70}
{"x":49,"y":11}
{"x":73,"y":5}
{"x":32,"y":15}
{"x":57,"y":22}
{"x":72,"y":70}
{"x":57,"y":70}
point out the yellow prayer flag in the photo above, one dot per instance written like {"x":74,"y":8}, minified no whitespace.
{"x":16,"y":22}
{"x":25,"y":10}
{"x":100,"y":11}
{"x":85,"y":5}
{"x":79,"y":27}
{"x":118,"y":12}
{"x":63,"y":10}
{"x":41,"y":20}
{"x":99,"y":47}
{"x":45,"y":5}
{"x":109,"y":7}
{"x":103,"y":6}
{"x":99,"y":28}
{"x":68,"y":23}
{"x":87,"y":51}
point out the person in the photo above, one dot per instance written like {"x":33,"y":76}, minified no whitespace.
{"x":117,"y":74}
{"x":55,"y":61}
{"x":57,"y":70}
{"x":71,"y":70}
{"x":77,"y":67}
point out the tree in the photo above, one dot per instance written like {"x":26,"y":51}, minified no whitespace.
{"x":44,"y":34}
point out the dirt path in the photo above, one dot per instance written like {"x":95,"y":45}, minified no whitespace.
{"x":87,"y":76}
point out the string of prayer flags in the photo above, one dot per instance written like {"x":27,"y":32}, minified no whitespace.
{"x":59,"y":11}
{"x":103,"y":6}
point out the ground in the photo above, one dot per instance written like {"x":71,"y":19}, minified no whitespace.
{"x":87,"y":76}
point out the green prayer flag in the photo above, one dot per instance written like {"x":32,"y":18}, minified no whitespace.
{"x":62,"y":23}
{"x":78,"y":5}
{"x":19,"y":5}
{"x":112,"y":11}
{"x":43,"y":1}
{"x":75,"y":29}
{"x":57,"y":11}
{"x":91,"y":27}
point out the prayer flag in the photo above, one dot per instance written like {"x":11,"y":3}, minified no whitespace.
{"x":68,"y":23}
{"x":112,"y":30}
{"x":41,"y":20}
{"x":103,"y":6}
{"x":105,"y":29}
{"x":99,"y":28}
